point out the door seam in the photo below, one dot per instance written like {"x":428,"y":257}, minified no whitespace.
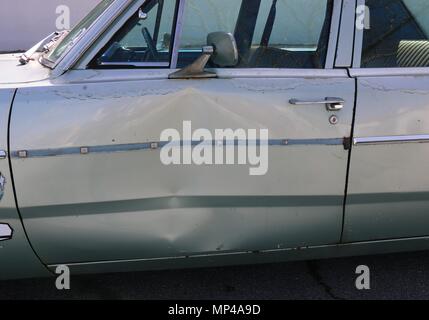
{"x":13,"y":183}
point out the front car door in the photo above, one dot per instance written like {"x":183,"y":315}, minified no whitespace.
{"x":389,"y":186}
{"x":86,"y":148}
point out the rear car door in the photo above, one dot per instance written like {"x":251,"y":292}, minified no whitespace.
{"x":389,"y":183}
{"x":86,"y":149}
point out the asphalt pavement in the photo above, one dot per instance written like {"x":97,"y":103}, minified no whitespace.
{"x":394,"y":276}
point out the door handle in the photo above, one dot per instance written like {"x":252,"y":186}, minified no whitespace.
{"x":332,"y":104}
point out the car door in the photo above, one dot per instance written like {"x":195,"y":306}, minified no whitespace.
{"x":87,"y":148}
{"x":389,"y":185}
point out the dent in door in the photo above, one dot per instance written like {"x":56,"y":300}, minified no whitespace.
{"x":127,"y":205}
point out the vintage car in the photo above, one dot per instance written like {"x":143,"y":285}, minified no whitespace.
{"x":341,"y":86}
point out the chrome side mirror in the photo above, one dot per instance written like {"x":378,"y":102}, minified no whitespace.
{"x":196,"y":69}
{"x":225,"y":49}
{"x":221,"y":49}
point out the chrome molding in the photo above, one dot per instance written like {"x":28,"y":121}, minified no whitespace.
{"x":335,"y":24}
{"x":178,"y":34}
{"x":346,"y":34}
{"x":71,"y":56}
{"x":391,"y":140}
{"x":6,"y":232}
{"x":137,"y":64}
{"x":154,"y":145}
{"x":358,"y":43}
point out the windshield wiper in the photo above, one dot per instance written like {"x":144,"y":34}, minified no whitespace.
{"x":42,"y":46}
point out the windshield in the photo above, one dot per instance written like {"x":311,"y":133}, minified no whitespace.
{"x":68,"y":40}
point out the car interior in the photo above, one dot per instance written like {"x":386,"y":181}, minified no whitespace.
{"x":266,"y":55}
{"x":396,"y":45}
{"x":155,"y":46}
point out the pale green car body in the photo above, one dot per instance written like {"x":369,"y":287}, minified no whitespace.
{"x":83,"y":187}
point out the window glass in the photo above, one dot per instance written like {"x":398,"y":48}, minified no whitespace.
{"x":145,"y":38}
{"x":205,"y":16}
{"x":398,"y":34}
{"x":268,"y":33}
{"x":303,"y":19}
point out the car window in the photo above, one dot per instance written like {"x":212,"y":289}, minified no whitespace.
{"x":268,"y":33}
{"x":78,"y":30}
{"x":398,"y":34}
{"x":144,"y":39}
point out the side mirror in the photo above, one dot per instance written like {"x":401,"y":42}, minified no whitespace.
{"x":196,"y":69}
{"x":225,"y":49}
{"x":221,"y":49}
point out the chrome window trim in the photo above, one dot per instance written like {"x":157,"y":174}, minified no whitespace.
{"x":280,"y":73}
{"x":178,"y":34}
{"x":388,"y":72}
{"x":51,"y":64}
{"x":422,"y":138}
{"x":358,"y":42}
{"x":123,"y":75}
{"x":346,"y":34}
{"x":137,"y":64}
{"x":75,"y":53}
{"x":88,"y":52}
{"x":108,"y":32}
{"x":333,"y":34}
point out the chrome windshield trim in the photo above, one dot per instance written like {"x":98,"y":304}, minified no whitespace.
{"x":72,"y":44}
{"x":72,"y":55}
{"x":424,"y":138}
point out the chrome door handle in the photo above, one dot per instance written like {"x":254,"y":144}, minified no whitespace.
{"x":332,"y":104}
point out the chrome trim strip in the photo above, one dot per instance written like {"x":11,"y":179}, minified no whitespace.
{"x":75,"y":42}
{"x":178,"y":34}
{"x":137,"y":64}
{"x":154,"y":145}
{"x":346,"y":35}
{"x":275,"y":73}
{"x":424,"y":138}
{"x":333,"y":38}
{"x":358,"y":43}
{"x":90,"y":36}
{"x":388,"y":72}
